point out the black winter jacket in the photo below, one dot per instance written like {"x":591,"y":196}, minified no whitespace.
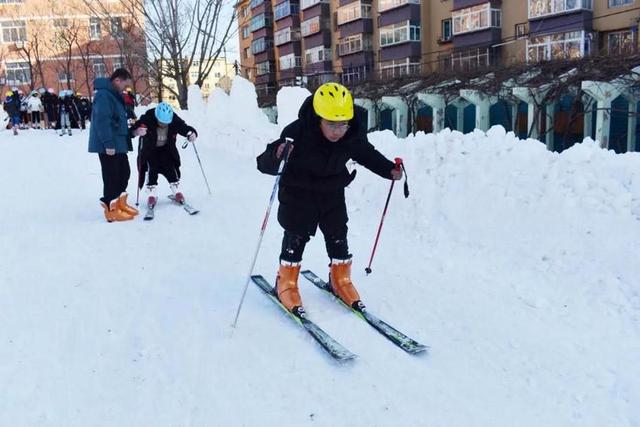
{"x":149,"y":150}
{"x":318,"y":164}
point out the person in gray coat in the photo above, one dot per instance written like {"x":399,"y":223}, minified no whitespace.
{"x":109,"y":137}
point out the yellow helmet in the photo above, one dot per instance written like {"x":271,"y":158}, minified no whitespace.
{"x":9,"y":93}
{"x":333,"y":102}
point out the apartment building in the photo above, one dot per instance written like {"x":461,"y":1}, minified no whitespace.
{"x":319,"y":40}
{"x":221,"y":75}
{"x":67,"y":44}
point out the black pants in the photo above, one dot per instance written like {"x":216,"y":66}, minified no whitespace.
{"x":35,"y":117}
{"x":115,"y":175}
{"x":162,"y":163}
{"x":302,"y":211}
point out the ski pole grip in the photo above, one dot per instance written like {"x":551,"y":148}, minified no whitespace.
{"x":398,"y":162}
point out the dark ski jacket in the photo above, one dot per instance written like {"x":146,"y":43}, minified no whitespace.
{"x":84,"y":107}
{"x":109,"y":128}
{"x":11,"y":107}
{"x":318,"y":164}
{"x":149,"y":150}
{"x":68,"y":105}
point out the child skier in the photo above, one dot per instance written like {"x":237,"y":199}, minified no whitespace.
{"x":327,"y":133}
{"x":159,"y":128}
{"x":12,"y":107}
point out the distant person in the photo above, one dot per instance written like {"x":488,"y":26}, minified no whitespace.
{"x":130,"y":104}
{"x":12,"y":107}
{"x":34,"y":107}
{"x":109,"y":137}
{"x":84,"y":108}
{"x":159,"y":128}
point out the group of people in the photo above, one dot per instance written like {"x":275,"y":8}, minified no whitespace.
{"x":44,"y":109}
{"x":111,"y":132}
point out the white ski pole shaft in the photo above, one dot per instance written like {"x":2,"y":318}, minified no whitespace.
{"x":265,"y":221}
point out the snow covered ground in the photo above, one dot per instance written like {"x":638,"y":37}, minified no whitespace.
{"x":517,"y":266}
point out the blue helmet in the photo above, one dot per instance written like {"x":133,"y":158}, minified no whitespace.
{"x":164,"y":113}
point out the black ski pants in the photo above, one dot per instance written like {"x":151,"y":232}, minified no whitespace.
{"x":115,"y":175}
{"x":162,"y":163}
{"x":302,"y":211}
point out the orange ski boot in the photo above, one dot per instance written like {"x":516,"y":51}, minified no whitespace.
{"x":287,"y":285}
{"x":341,"y":284}
{"x":124,"y":206}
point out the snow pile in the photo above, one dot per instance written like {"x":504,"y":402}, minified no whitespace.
{"x":514,"y":264}
{"x":289,"y":100}
{"x":196,"y":103}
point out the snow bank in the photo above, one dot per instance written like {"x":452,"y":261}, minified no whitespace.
{"x":289,"y":100}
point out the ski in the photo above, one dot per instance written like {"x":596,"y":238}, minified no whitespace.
{"x":150,"y":213}
{"x":392,"y":334}
{"x":187,"y":207}
{"x":331,"y":346}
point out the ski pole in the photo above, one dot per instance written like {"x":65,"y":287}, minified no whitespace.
{"x":200,"y":163}
{"x":398,"y":161}
{"x":138,"y":163}
{"x":265,"y":221}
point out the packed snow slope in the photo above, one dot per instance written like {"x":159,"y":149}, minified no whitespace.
{"x":517,"y":266}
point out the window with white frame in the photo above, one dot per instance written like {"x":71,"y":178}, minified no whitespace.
{"x":11,"y":1}
{"x":94,"y":29}
{"x":60,"y":23}
{"x":446,"y":30}
{"x":538,"y":8}
{"x":286,"y":35}
{"x":617,"y":3}
{"x":399,"y":33}
{"x":244,"y":12}
{"x":290,"y":61}
{"x":117,"y":63}
{"x":14,"y":31}
{"x":471,"y":59}
{"x":284,"y":9}
{"x":390,"y":4}
{"x":260,"y":45}
{"x":263,"y":68}
{"x":620,"y":42}
{"x":317,"y":54}
{"x":99,"y":68}
{"x":353,"y":44}
{"x":116,"y":28}
{"x":64,"y":77}
{"x":260,"y":21}
{"x":255,"y":3}
{"x":310,"y":26}
{"x":245,"y":32}
{"x":475,"y":18}
{"x":399,"y":68}
{"x":353,"y":11}
{"x":569,"y":45}
{"x":18,"y":73}
{"x":354,"y":74}
{"x":305,"y":4}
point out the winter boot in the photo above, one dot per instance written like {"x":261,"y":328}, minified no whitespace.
{"x":15,"y":130}
{"x":287,"y":285}
{"x":69,"y":131}
{"x":179,"y":197}
{"x":124,"y":206}
{"x":113,"y":213}
{"x":341,"y":284}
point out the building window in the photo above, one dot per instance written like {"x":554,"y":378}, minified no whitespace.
{"x":310,"y":26}
{"x":60,"y":23}
{"x":14,"y":31}
{"x":571,"y":45}
{"x":64,"y":77}
{"x":317,"y":54}
{"x":18,"y":73}
{"x":290,"y":61}
{"x":260,"y":45}
{"x":620,"y":42}
{"x":286,"y":35}
{"x":354,"y":74}
{"x":94,"y":29}
{"x":390,"y":4}
{"x":305,"y":4}
{"x":244,"y":12}
{"x":471,"y":59}
{"x":260,"y":21}
{"x":255,"y":3}
{"x":476,"y":18}
{"x":284,"y":9}
{"x":399,"y":68}
{"x":353,"y":44}
{"x":616,"y":3}
{"x":116,"y":28}
{"x":538,"y":8}
{"x":263,"y":68}
{"x":445,"y":34}
{"x":246,"y":53}
{"x":99,"y":68}
{"x":399,"y":33}
{"x":353,"y":11}
{"x":117,"y":63}
{"x":245,"y":32}
{"x":521,"y":31}
{"x":11,"y":1}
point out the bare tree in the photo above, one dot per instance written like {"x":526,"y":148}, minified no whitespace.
{"x":179,"y":35}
